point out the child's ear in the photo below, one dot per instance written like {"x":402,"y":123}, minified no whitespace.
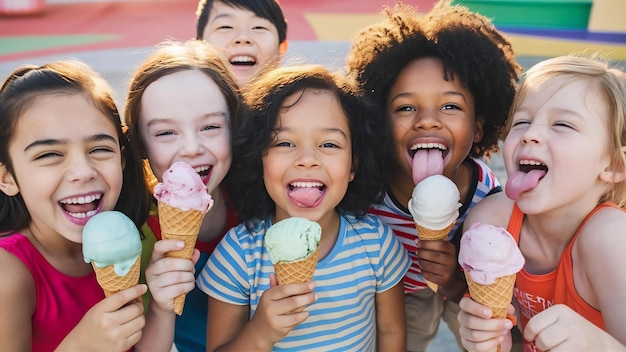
{"x":612,"y":174}
{"x":282,"y":48}
{"x":355,"y":165}
{"x":478,"y":129}
{"x":8,"y":185}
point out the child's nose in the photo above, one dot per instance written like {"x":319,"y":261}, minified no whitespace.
{"x":80,"y":169}
{"x":308,"y":158}
{"x":427,"y":119}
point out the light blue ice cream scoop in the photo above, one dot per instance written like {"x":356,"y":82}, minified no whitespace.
{"x":111,"y":238}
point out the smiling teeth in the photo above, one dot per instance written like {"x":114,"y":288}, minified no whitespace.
{"x":306,"y":184}
{"x":81,"y":200}
{"x":238,"y":59}
{"x":83,"y":215}
{"x":530,"y":162}
{"x":428,"y":146}
{"x":199,"y":169}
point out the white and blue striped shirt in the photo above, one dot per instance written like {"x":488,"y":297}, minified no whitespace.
{"x":366,"y":259}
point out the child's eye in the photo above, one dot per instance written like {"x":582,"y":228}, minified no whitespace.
{"x":329,"y":145}
{"x":210,"y":127}
{"x":48,"y":155}
{"x":224,"y":27}
{"x":164,"y":133}
{"x":450,"y":107}
{"x":520,"y":122}
{"x":283,"y":144}
{"x":101,"y":150}
{"x":259,"y":28}
{"x":564,"y":124}
{"x":405,"y":108}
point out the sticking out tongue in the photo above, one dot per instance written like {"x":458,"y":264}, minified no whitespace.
{"x":522,"y":181}
{"x":427,"y":162}
{"x":306,"y":196}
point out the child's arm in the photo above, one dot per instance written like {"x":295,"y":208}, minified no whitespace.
{"x":167,"y":278}
{"x":390,"y":323}
{"x":17,"y":302}
{"x":281,"y":308}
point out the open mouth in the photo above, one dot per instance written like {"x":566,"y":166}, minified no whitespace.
{"x":242,"y":60}
{"x":428,"y":146}
{"x":306,"y":194}
{"x":81,"y":207}
{"x":204,"y":172}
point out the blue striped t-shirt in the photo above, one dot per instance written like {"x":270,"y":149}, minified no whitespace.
{"x":366,"y":259}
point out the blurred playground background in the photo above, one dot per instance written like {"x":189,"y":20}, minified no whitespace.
{"x":114,"y":36}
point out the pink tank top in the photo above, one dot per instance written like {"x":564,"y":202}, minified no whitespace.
{"x":62,"y":300}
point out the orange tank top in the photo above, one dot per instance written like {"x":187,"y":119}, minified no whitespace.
{"x":535,"y":293}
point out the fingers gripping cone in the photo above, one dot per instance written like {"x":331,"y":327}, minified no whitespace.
{"x":182,"y":225}
{"x":426,"y":234}
{"x":496,"y":296}
{"x":112,"y":283}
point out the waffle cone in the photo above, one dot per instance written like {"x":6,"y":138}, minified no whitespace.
{"x":426,"y":234}
{"x":112,"y":283}
{"x":496,"y":296}
{"x":182,"y":225}
{"x":298,"y":271}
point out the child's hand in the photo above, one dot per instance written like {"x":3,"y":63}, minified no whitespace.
{"x":169,"y":277}
{"x":481,"y":333}
{"x":114,"y":324}
{"x":438,"y":260}
{"x":559,"y":328}
{"x":281,"y":308}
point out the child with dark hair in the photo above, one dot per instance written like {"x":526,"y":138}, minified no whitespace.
{"x":307,"y":150}
{"x":64,"y":158}
{"x":253,"y":33}
{"x":446,"y":81}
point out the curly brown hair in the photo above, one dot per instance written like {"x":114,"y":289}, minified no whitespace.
{"x":467,"y":43}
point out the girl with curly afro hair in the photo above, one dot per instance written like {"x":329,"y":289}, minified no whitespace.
{"x":445,"y":81}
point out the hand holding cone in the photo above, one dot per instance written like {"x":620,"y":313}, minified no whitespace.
{"x":490,"y":260}
{"x":434,"y":206}
{"x":183,"y":201}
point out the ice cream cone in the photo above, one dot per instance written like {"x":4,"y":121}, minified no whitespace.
{"x":112,"y":283}
{"x":426,"y":234}
{"x":298,"y":271}
{"x":496,"y":296}
{"x":183,"y":225}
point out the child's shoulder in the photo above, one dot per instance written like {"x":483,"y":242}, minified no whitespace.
{"x":495,"y":209}
{"x":603,"y":230}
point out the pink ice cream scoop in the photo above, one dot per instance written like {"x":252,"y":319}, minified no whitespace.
{"x":489,"y":252}
{"x":183,"y":188}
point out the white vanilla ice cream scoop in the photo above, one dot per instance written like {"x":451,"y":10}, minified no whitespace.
{"x":435,"y":202}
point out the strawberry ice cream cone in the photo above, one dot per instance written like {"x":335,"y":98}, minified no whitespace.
{"x":183,"y":200}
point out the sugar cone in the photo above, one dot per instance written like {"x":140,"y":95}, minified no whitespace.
{"x":112,"y":283}
{"x":183,"y":225}
{"x":298,"y":271}
{"x":426,"y":234}
{"x":496,"y":296}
